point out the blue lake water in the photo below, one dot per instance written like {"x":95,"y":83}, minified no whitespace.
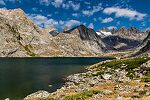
{"x":20,"y":77}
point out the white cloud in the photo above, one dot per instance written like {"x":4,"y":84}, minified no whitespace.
{"x":71,"y":4}
{"x":107,"y":20}
{"x":56,"y":3}
{"x":92,"y":11}
{"x":75,"y":14}
{"x":72,"y":23}
{"x":2,"y":2}
{"x":112,"y":27}
{"x":51,"y":22}
{"x":87,"y":3}
{"x":124,"y":12}
{"x":36,"y":9}
{"x":94,"y":19}
{"x":44,"y":2}
{"x":61,"y":3}
{"x":118,"y":23}
{"x":91,"y":25}
{"x":43,"y":21}
{"x":148,"y":28}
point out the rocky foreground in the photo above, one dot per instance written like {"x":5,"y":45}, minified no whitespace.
{"x":126,"y":79}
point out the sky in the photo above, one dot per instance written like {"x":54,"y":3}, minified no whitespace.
{"x":94,"y":14}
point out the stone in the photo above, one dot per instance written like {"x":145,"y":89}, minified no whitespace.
{"x":106,"y":76}
{"x":97,"y":96}
{"x":147,"y":85}
{"x":38,"y":95}
{"x":119,"y":97}
{"x":107,"y":91}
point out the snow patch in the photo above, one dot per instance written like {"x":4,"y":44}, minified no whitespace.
{"x":104,"y":33}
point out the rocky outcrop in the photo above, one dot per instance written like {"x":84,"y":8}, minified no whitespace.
{"x":118,"y":43}
{"x":20,"y":37}
{"x":144,"y":48}
{"x":37,"y":95}
{"x":132,"y":33}
{"x":87,"y":34}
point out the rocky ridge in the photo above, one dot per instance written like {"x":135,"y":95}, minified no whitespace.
{"x":144,"y":47}
{"x":132,"y":33}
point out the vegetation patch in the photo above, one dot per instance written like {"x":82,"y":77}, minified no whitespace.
{"x":98,"y":73}
{"x":146,"y":78}
{"x":82,"y":96}
{"x":127,"y":64}
{"x":28,"y":50}
{"x":130,"y":63}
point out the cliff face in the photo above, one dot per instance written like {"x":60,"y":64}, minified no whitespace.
{"x":19,"y":36}
{"x":118,"y":43}
{"x":145,"y":45}
{"x":80,"y":41}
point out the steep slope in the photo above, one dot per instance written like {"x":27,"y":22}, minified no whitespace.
{"x":80,"y":41}
{"x":144,"y":48}
{"x":119,"y":43}
{"x":20,"y":37}
{"x":131,"y":33}
{"x":104,"y":32}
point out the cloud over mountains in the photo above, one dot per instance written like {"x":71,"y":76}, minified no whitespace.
{"x":95,"y":13}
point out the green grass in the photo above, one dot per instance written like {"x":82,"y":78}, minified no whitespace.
{"x":98,"y":73}
{"x":82,"y":96}
{"x":130,"y":64}
{"x":28,"y":49}
{"x":146,"y":78}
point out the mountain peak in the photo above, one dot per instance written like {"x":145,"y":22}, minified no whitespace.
{"x":12,"y":12}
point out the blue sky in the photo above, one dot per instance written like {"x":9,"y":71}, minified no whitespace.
{"x":92,"y":13}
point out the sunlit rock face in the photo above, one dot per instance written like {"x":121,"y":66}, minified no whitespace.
{"x":19,"y":36}
{"x":131,"y":33}
{"x":89,"y":39}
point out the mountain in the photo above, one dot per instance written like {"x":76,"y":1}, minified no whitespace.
{"x":87,"y":38}
{"x":20,"y":37}
{"x":114,"y":40}
{"x":104,"y":32}
{"x":144,"y":48}
{"x":118,"y":43}
{"x":132,"y":33}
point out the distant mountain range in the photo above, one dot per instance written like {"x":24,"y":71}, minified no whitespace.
{"x":20,"y":37}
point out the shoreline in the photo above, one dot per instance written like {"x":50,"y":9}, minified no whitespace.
{"x":82,"y":83}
